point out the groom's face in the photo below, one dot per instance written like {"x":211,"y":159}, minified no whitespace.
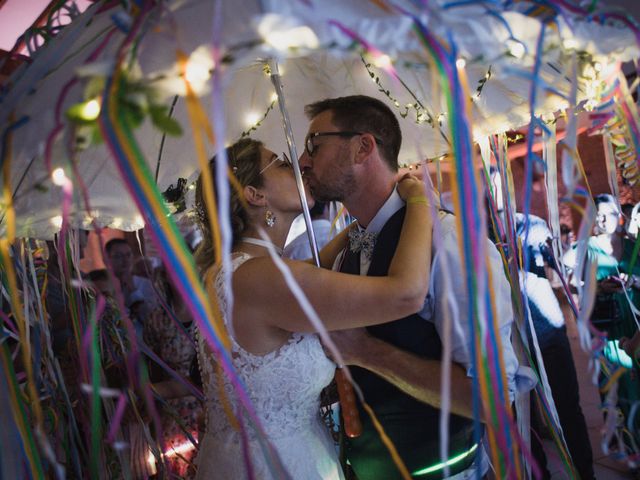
{"x":328,"y":170}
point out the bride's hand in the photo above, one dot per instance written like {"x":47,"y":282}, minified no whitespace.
{"x":410,"y":186}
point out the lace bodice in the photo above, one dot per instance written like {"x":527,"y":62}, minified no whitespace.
{"x":284,"y":385}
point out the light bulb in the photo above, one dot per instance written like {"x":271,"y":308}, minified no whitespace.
{"x":58,"y":177}
{"x":196,"y":72}
{"x":90,"y":110}
{"x":382,"y":61}
{"x":517,"y":49}
{"x":252,"y":118}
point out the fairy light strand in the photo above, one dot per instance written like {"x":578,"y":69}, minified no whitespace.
{"x":258,"y":124}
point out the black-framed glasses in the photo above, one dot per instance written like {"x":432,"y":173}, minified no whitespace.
{"x":284,"y":159}
{"x":310,"y":147}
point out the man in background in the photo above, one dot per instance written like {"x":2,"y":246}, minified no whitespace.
{"x":299,"y":248}
{"x":139,"y":295}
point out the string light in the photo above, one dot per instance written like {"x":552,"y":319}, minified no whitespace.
{"x":281,"y":34}
{"x":422,"y":114}
{"x":196,"y":72}
{"x":58,"y":177}
{"x":516,"y":49}
{"x":481,"y":84}
{"x":57,"y":221}
{"x":382,"y":61}
{"x":89,"y":110}
{"x":461,"y":63}
{"x":254,"y":121}
{"x":548,"y":117}
{"x":251,"y":118}
{"x":300,"y":37}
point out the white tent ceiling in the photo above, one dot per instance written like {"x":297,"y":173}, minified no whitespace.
{"x":333,"y":68}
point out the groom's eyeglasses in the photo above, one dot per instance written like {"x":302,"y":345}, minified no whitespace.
{"x":311,"y":147}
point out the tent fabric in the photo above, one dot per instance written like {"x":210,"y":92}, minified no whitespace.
{"x":489,"y":38}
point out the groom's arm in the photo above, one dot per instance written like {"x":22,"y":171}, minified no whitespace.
{"x":414,"y":375}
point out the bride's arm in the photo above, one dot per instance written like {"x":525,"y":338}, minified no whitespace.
{"x":330,"y":251}
{"x":344,"y":300}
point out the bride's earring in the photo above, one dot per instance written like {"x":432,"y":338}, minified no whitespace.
{"x":269,"y":218}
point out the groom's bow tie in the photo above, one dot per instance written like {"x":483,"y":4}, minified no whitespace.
{"x":362,"y":241}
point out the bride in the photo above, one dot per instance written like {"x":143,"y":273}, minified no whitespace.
{"x":274,"y":348}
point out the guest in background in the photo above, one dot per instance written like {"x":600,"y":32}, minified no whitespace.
{"x":134,"y":288}
{"x":551,"y":333}
{"x":632,"y":346}
{"x":299,"y":248}
{"x":567,"y":238}
{"x":626,"y":209}
{"x":170,"y":335}
{"x":617,"y":296}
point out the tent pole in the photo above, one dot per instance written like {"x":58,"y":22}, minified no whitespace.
{"x":286,"y":123}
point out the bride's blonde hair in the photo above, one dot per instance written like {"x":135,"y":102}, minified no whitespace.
{"x":244,"y":161}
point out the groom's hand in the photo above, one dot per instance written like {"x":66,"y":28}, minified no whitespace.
{"x":417,"y":170}
{"x":350,"y":343}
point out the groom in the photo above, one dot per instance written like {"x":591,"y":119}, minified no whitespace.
{"x":351,"y":155}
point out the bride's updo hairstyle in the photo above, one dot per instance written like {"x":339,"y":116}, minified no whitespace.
{"x":244,"y":160}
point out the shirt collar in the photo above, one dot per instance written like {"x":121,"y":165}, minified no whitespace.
{"x":391,"y":206}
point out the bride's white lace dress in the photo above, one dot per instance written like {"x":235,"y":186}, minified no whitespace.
{"x":284,"y":387}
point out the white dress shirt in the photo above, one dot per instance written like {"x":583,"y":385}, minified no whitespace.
{"x":300,"y":249}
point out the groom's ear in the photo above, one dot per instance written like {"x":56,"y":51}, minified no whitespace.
{"x":366,"y":146}
{"x":254,"y":196}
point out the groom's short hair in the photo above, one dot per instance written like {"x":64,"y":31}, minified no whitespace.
{"x":360,"y":113}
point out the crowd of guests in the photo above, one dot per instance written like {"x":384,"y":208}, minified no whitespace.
{"x":142,"y":313}
{"x":546,"y":335}
{"x":610,"y":248}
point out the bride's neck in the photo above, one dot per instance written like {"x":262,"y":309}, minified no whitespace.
{"x":277,"y":235}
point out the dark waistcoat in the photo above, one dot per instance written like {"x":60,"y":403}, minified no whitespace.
{"x":412,"y":426}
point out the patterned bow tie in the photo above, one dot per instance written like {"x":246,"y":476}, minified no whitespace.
{"x":362,"y":241}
